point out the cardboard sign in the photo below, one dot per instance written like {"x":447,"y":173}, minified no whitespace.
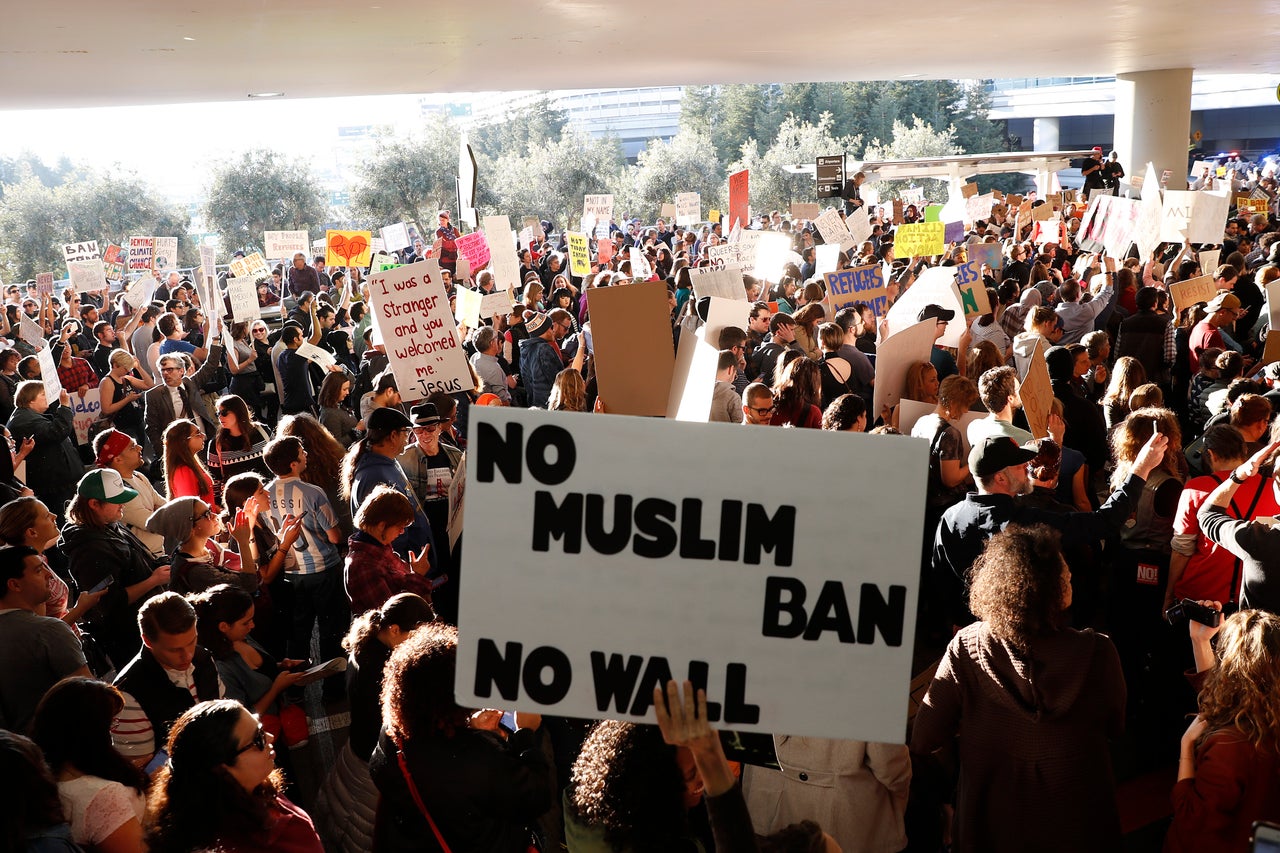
{"x":30,"y":332}
{"x":1209,"y":261}
{"x":1273,"y":305}
{"x":44,"y":283}
{"x":252,"y":267}
{"x":667,"y":213}
{"x":49,"y":375}
{"x":1146,"y":229}
{"x":631,"y":338}
{"x":165,"y":255}
{"x":968,"y":190}
{"x":973,"y":292}
{"x":466,"y":307}
{"x":283,"y":245}
{"x":860,"y":284}
{"x":141,"y":251}
{"x":918,"y":240}
{"x":763,"y":599}
{"x":504,"y":263}
{"x":1187,"y":293}
{"x":84,"y":411}
{"x":1036,"y":392}
{"x":1199,"y":217}
{"x":579,"y":254}
{"x":724,"y":282}
{"x":1251,"y":205}
{"x":897,"y":212}
{"x":937,"y":286}
{"x":833,"y":229}
{"x":395,"y":237}
{"x":986,"y":254}
{"x":411,"y":310}
{"x":805,"y":211}
{"x":688,"y":208}
{"x":243,"y":295}
{"x":598,"y":206}
{"x":739,"y":187}
{"x":474,"y":248}
{"x":978,"y":207}
{"x":911,"y":411}
{"x":1271,"y":349}
{"x":894,"y":356}
{"x":87,"y":275}
{"x":457,"y":502}
{"x":348,"y":248}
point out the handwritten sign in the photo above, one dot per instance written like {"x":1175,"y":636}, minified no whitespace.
{"x":973,"y":291}
{"x":282,"y":245}
{"x":87,"y":275}
{"x":254,"y":267}
{"x":504,"y":263}
{"x":115,"y":262}
{"x":243,"y":293}
{"x":919,"y":239}
{"x":348,"y":248}
{"x":411,"y":310}
{"x":598,"y":206}
{"x":1187,"y":293}
{"x":165,"y":255}
{"x":739,"y":185}
{"x":724,"y":282}
{"x":140,"y":291}
{"x":317,"y":355}
{"x":466,"y":307}
{"x":141,"y":251}
{"x":495,"y":304}
{"x":894,"y":357}
{"x":860,"y":284}
{"x":1252,"y":205}
{"x":1199,"y":217}
{"x":396,"y":237}
{"x":83,"y":251}
{"x":49,"y":375}
{"x":640,"y":269}
{"x":30,"y":332}
{"x":44,"y":283}
{"x":1036,"y":392}
{"x":474,"y":248}
{"x":579,"y":253}
{"x":805,"y":210}
{"x":84,"y":411}
{"x":688,"y":208}
{"x":859,"y":225}
{"x":833,"y":229}
{"x":987,"y":254}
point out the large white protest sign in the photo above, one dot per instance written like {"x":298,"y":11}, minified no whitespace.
{"x":1146,"y":231}
{"x":140,"y":291}
{"x":495,"y":304}
{"x":1209,"y":260}
{"x":395,"y":237}
{"x":711,"y":281}
{"x":910,"y":411}
{"x":754,"y":599}
{"x":833,"y":228}
{"x":598,"y":207}
{"x":504,"y":263}
{"x":688,"y":208}
{"x":859,"y":225}
{"x":772,"y":253}
{"x":693,"y":379}
{"x":466,"y":307}
{"x":935,"y":286}
{"x":49,"y":375}
{"x":253,"y":266}
{"x":87,"y":275}
{"x":282,"y":245}
{"x":1199,"y":217}
{"x":141,"y":252}
{"x":84,"y":411}
{"x":30,"y":332}
{"x":411,"y":311}
{"x":640,"y":269}
{"x":825,"y":258}
{"x":243,"y":293}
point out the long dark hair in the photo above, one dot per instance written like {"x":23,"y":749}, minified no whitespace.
{"x":73,"y":726}
{"x":177,"y":452}
{"x":235,"y":404}
{"x":218,"y":604}
{"x":404,"y":610}
{"x":194,"y":802}
{"x":32,"y":802}
{"x":324,"y":453}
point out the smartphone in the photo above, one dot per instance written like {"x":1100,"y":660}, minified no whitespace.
{"x":439,"y":581}
{"x":508,"y":721}
{"x":1155,"y":425}
{"x":103,"y":584}
{"x":1266,"y":837}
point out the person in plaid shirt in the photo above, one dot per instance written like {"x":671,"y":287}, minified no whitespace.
{"x":373,"y":571}
{"x":75,"y":374}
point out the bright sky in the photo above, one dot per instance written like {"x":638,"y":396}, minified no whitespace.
{"x":172,"y":146}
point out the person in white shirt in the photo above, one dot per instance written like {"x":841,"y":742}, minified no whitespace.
{"x":117,"y":450}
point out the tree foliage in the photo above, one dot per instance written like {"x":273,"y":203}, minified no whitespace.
{"x":262,"y":190}
{"x":409,"y":179}
{"x":550,"y":180}
{"x":686,"y":164}
{"x":537,"y":124}
{"x":795,"y":143}
{"x":910,"y":142}
{"x":36,"y":219}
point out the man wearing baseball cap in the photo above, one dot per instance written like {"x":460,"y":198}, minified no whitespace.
{"x":1091,"y":171}
{"x":942,"y":360}
{"x":999,"y":468}
{"x":1221,"y":311}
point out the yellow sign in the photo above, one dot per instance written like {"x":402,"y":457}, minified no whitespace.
{"x":918,"y":240}
{"x":348,"y":248}
{"x":579,"y":254}
{"x":713,"y":215}
{"x":1253,"y":205}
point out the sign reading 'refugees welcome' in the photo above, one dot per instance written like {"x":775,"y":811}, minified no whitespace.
{"x":793,"y":609}
{"x":411,"y":309}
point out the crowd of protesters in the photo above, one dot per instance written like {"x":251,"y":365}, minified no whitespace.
{"x":1099,"y":600}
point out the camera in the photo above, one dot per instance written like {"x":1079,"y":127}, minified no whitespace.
{"x":1194,"y":611}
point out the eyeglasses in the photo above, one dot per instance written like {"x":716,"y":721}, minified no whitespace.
{"x":259,"y":742}
{"x":225,"y":413}
{"x":430,"y":429}
{"x":763,"y":411}
{"x":171,"y":370}
{"x":208,"y":513}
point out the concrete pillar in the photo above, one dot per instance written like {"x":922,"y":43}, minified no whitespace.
{"x":1153,"y":122}
{"x":1044,"y":134}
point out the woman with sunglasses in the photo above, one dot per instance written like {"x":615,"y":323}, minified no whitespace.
{"x":184,"y":473}
{"x":242,"y":360}
{"x":189,"y":526}
{"x":221,"y":788}
{"x":262,"y":360}
{"x":238,"y":445}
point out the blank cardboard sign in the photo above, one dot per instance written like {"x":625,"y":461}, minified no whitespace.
{"x":631,"y":334}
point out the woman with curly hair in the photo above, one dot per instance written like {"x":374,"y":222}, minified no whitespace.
{"x":221,"y":789}
{"x":1035,"y":701}
{"x":448,"y":778}
{"x":796,"y":397}
{"x":324,"y":461}
{"x":1229,"y":766}
{"x":103,"y":794}
{"x":184,"y":473}
{"x":569,"y":393}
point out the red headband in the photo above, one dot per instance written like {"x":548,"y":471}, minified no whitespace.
{"x":111,"y":448}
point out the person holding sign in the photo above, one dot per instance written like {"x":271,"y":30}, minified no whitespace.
{"x":53,"y":466}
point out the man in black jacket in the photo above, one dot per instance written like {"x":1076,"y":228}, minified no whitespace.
{"x":170,"y":673}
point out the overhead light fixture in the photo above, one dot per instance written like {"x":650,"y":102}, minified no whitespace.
{"x":266,"y":94}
